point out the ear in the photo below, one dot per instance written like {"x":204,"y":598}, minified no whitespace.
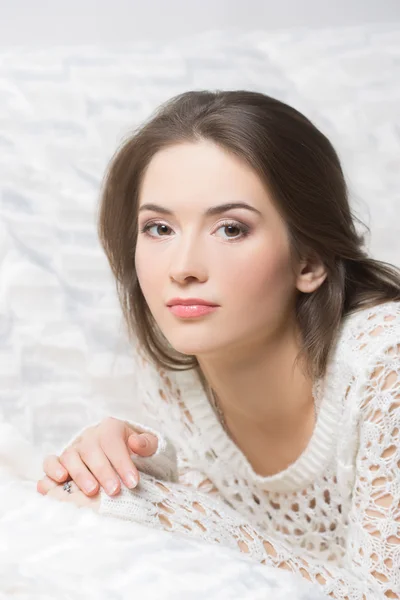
{"x":311,"y":274}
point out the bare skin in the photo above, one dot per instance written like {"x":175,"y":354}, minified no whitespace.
{"x":97,"y":456}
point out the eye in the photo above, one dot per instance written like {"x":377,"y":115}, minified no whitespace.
{"x":162,"y":230}
{"x":234,"y":230}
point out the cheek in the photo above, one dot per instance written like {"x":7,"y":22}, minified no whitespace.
{"x":150,"y":272}
{"x":263,"y":275}
{"x":144,"y":269}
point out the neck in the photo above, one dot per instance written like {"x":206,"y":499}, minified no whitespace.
{"x":262,"y":388}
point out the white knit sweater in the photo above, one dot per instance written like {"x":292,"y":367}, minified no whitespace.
{"x":333,"y":515}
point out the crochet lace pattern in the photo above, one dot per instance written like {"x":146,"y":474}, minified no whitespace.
{"x":333,"y":515}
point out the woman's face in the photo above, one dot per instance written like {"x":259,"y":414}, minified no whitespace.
{"x":190,"y":246}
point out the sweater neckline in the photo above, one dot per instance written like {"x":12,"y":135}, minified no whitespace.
{"x":298,"y":474}
{"x":217,"y":445}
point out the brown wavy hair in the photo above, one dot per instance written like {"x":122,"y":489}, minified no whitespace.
{"x":302,"y":171}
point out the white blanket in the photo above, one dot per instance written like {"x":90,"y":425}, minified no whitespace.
{"x":54,"y":550}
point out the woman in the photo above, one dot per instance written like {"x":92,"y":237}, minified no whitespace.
{"x":226,"y":222}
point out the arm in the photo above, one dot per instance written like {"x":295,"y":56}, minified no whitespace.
{"x":371,"y":568}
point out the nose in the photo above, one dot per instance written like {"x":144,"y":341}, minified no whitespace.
{"x":188,"y":262}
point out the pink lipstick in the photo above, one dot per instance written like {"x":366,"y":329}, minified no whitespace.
{"x":187,"y":308}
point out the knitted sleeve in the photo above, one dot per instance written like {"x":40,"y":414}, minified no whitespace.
{"x":371,"y":566}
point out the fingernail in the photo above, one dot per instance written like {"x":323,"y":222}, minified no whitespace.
{"x":60,"y":473}
{"x":131,"y":480}
{"x":90,"y":486}
{"x":142,"y":441}
{"x":111,"y":486}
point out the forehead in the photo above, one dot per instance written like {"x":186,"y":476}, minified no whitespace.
{"x":201,"y":173}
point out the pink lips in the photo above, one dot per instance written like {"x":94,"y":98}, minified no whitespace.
{"x":190,"y":307}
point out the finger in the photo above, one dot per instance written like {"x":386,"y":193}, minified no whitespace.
{"x":98,"y":461}
{"x":45,"y":485}
{"x":116,"y":450}
{"x":54,"y":469}
{"x":145,"y":444}
{"x":58,"y":492}
{"x":75,"y":496}
{"x":78,"y":472}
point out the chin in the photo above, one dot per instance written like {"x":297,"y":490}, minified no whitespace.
{"x":191,"y":347}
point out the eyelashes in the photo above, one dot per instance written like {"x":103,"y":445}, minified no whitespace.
{"x":243,"y":229}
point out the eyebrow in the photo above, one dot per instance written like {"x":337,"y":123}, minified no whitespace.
{"x":213,"y":210}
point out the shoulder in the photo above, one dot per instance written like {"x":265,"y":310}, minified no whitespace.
{"x":369,"y":373}
{"x":369,"y":332}
{"x":373,"y":341}
{"x":365,"y":357}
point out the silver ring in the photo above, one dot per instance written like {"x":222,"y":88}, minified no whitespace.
{"x":67,"y":487}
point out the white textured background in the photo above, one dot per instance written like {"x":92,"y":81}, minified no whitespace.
{"x":64,"y":360}
{"x":126,"y":21}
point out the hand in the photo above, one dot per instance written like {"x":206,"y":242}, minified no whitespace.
{"x":90,"y":458}
{"x":56,"y":491}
